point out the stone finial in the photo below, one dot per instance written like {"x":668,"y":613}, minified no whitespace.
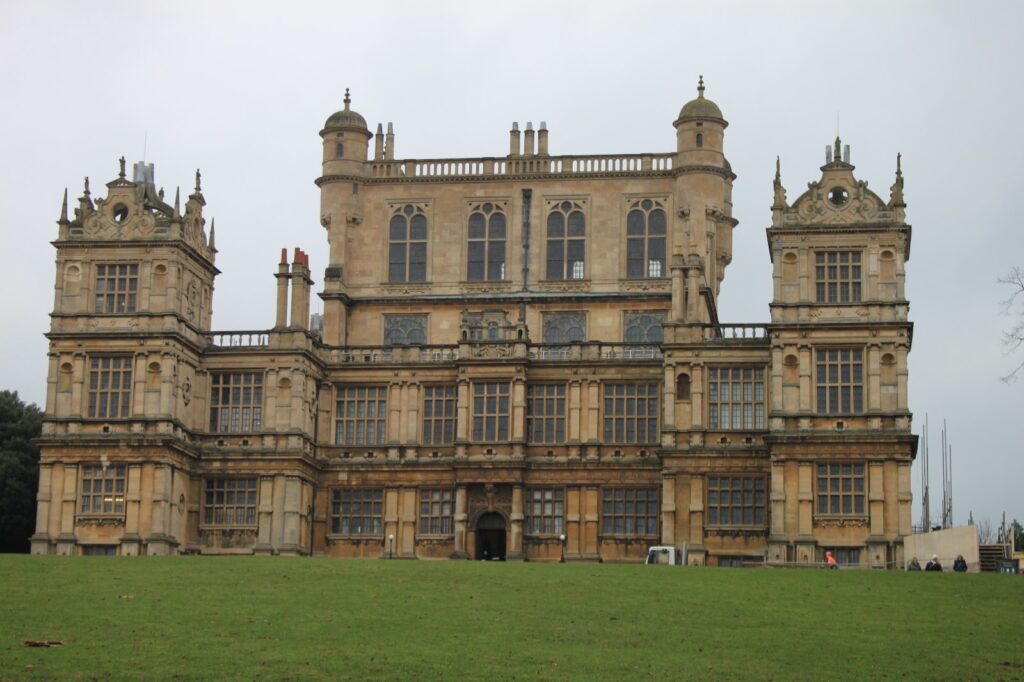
{"x":177,"y":201}
{"x":86,"y":192}
{"x":838,"y":152}
{"x":896,"y":191}
{"x":199,"y":178}
{"x":64,"y":207}
{"x":120,"y":173}
{"x":348,"y":100}
{"x":380,"y":129}
{"x":780,"y":191}
{"x":213,"y":232}
{"x":700,"y":86}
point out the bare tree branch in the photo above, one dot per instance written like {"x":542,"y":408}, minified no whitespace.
{"x":1013,"y":305}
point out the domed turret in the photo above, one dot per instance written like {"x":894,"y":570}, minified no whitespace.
{"x":700,"y":107}
{"x":345,"y":119}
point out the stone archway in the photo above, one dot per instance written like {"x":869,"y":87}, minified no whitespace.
{"x":491,"y":537}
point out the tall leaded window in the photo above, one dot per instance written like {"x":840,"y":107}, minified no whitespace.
{"x":545,"y":511}
{"x":490,"y":411}
{"x":645,"y":239}
{"x":407,"y":245}
{"x":837,"y":276}
{"x":229,"y":502}
{"x":545,"y":413}
{"x":403,"y":330}
{"x":736,"y":501}
{"x":236,"y":402}
{"x":360,"y":415}
{"x":103,"y":489}
{"x":631,"y":413}
{"x":566,"y":241}
{"x":643,"y":327}
{"x":564,"y":327}
{"x":358,"y":511}
{"x":439,"y":415}
{"x":736,"y":398}
{"x":630,"y":511}
{"x":840,"y":381}
{"x":486,"y":243}
{"x":436,"y":509}
{"x":110,"y":387}
{"x":840,"y":490}
{"x":116,"y":287}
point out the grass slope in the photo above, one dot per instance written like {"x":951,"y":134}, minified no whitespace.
{"x":277,"y":618}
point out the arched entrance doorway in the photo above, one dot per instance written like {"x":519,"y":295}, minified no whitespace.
{"x":490,"y":537}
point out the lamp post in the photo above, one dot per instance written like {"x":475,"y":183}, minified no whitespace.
{"x":391,"y":545}
{"x":561,"y":541}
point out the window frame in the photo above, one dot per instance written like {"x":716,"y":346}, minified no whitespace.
{"x":831,"y":285}
{"x":446,"y":423}
{"x":229,"y":486}
{"x":389,"y":319}
{"x":98,"y":395}
{"x":544,"y":511}
{"x":364,"y":505}
{"x":441,"y":523}
{"x":828,"y":496}
{"x":715,"y":400}
{"x":613,"y":420}
{"x":482,"y":431}
{"x":245,"y":413}
{"x":608,"y":519}
{"x":92,"y":473}
{"x":549,"y":397}
{"x":828,"y":390}
{"x":714,"y":504}
{"x":379,"y":420}
{"x":116,"y":300}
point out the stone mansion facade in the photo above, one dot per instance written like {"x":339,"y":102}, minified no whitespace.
{"x":519,"y":357}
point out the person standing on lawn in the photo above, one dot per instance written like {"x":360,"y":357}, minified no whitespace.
{"x":831,"y":560}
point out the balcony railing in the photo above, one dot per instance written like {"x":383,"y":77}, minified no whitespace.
{"x":240,"y":339}
{"x":601,"y":164}
{"x":399,"y":354}
{"x":595,"y":351}
{"x":753,"y":333}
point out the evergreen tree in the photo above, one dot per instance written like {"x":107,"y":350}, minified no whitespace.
{"x":19,"y":471}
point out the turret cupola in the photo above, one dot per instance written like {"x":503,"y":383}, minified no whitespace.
{"x":700,"y":128}
{"x":346,"y":139}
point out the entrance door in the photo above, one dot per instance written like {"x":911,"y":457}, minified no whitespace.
{"x":490,"y":537}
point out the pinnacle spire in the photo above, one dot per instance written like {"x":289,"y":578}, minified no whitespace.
{"x":213,"y":231}
{"x":348,"y":99}
{"x":64,"y":207}
{"x":778,"y":170}
{"x":700,"y":87}
{"x":177,"y":201}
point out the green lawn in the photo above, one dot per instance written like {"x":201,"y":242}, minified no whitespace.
{"x":274,"y":618}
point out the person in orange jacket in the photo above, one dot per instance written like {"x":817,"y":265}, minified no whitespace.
{"x":831,"y":560}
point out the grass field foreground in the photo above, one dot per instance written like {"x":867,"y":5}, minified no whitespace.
{"x":284,"y":618}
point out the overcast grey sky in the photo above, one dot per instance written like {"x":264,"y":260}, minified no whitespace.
{"x":240,"y":90}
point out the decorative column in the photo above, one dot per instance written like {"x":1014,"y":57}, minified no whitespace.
{"x":461,"y":508}
{"x":462,"y":422}
{"x":515,"y":548}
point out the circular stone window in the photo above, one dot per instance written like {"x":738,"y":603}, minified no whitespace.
{"x":120,"y":213}
{"x":838,"y":196}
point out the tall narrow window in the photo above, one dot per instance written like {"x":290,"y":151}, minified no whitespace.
{"x":439,"y":415}
{"x":490,"y":411}
{"x":840,"y":381}
{"x":841,"y":489}
{"x":700,"y":139}
{"x":116,"y":287}
{"x":360,"y":415}
{"x":486,"y":244}
{"x":236,"y":401}
{"x":110,"y":387}
{"x":545,"y":511}
{"x":407,"y":245}
{"x":545,"y":413}
{"x":566,"y":241}
{"x":436,"y":511}
{"x":645,"y":239}
{"x":837,"y":276}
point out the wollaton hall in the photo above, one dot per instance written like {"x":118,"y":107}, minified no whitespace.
{"x":519,"y":356}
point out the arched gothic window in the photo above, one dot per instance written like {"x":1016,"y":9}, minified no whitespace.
{"x":643,"y":327}
{"x":565,"y":327}
{"x":645,"y":239}
{"x":566,"y":241}
{"x":407,"y":245}
{"x":486,"y":244}
{"x":683,"y":387}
